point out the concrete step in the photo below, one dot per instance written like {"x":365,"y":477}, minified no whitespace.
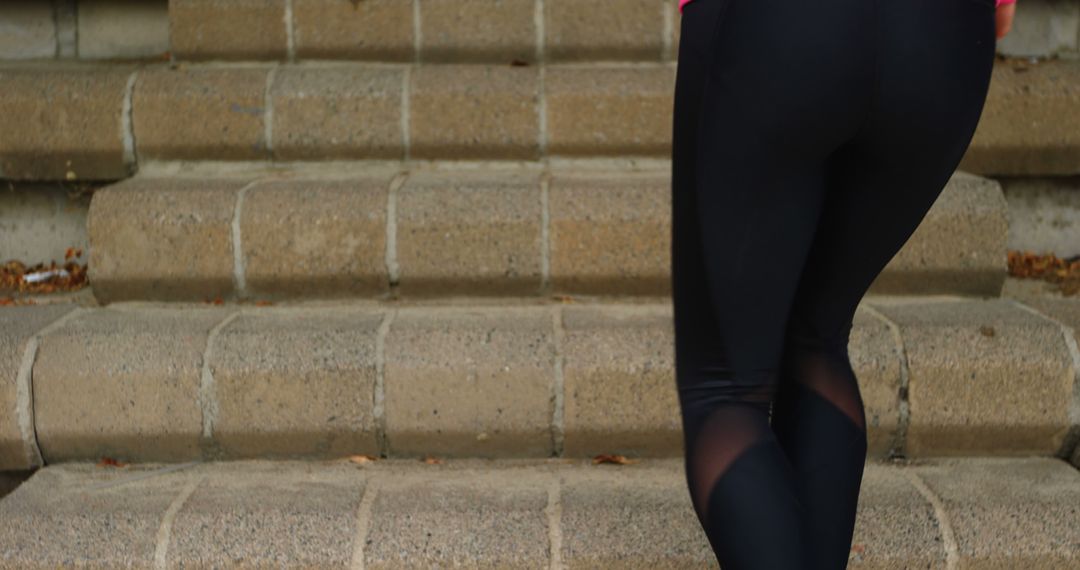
{"x":86,"y":122}
{"x":970,"y":512}
{"x":373,"y":30}
{"x":141,"y":382}
{"x":425,"y":30}
{"x":393,"y":232}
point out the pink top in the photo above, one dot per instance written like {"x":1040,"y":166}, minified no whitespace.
{"x":999,"y":3}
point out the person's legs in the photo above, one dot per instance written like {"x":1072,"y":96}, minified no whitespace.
{"x":762,"y":98}
{"x":933,"y":65}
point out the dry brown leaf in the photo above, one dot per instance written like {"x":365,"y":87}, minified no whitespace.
{"x":13,"y":273}
{"x":110,"y":462}
{"x":616,"y":459}
{"x":1065,"y":273}
{"x":432,"y":460}
{"x":362,"y":459}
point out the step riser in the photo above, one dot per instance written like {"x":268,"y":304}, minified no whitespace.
{"x":967,"y":513}
{"x":401,"y":30}
{"x":39,"y":222}
{"x":427,"y":234}
{"x":174,"y":384}
{"x":102,"y":122}
{"x":371,"y":30}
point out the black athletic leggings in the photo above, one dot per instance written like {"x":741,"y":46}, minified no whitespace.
{"x":810,"y":139}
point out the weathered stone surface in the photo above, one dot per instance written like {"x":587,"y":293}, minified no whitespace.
{"x":297,"y":382}
{"x":473,"y":381}
{"x":163,"y":238}
{"x":619,"y":382}
{"x":119,"y":29}
{"x":503,"y":514}
{"x":438,"y":518}
{"x":633,"y":518}
{"x":17,"y":326}
{"x":40,"y":221}
{"x":1044,"y":214}
{"x":959,"y":247}
{"x":895,"y":526}
{"x":63,"y":123}
{"x":1043,"y":28}
{"x":474,"y":111}
{"x":469,"y":233}
{"x":27,"y":30}
{"x":77,"y":511}
{"x":875,"y":357}
{"x":377,"y":30}
{"x":337,"y":113}
{"x":200,"y":113}
{"x":986,"y":377}
{"x":315,"y":238}
{"x":1007,"y":513}
{"x":606,"y":110}
{"x":1067,"y":312}
{"x":1030,"y":124}
{"x":604,"y":29}
{"x":228,"y":29}
{"x":478,"y":30}
{"x":263,"y":513}
{"x":123,"y":384}
{"x":611,"y":233}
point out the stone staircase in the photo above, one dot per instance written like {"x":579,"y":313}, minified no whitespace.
{"x":325,"y":229}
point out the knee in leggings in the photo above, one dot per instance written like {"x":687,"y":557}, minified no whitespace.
{"x":724,"y":423}
{"x":820,"y":362}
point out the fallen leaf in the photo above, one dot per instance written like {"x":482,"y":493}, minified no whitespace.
{"x":432,"y":460}
{"x":110,"y":462}
{"x":616,"y":459}
{"x":361,"y":459}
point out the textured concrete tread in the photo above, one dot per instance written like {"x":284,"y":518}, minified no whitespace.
{"x":947,"y":513}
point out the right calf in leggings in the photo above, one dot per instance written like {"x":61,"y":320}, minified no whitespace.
{"x":809,"y":141}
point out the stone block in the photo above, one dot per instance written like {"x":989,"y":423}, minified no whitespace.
{"x":611,"y":233}
{"x":376,"y":30}
{"x":163,"y":238}
{"x":201,"y":114}
{"x":958,"y":248}
{"x":337,"y":113}
{"x":619,"y":382}
{"x":985,"y":377}
{"x":297,"y":383}
{"x":1030,"y":124}
{"x":609,"y":111}
{"x":478,"y":30}
{"x":474,"y":112}
{"x":18,"y":325}
{"x":63,"y":122}
{"x":123,"y":29}
{"x":123,"y":384}
{"x":469,"y":382}
{"x":469,"y":233}
{"x":604,"y":29}
{"x":315,"y":238}
{"x":228,"y":29}
{"x":27,"y":30}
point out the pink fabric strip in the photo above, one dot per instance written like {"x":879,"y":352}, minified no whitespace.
{"x":999,"y":3}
